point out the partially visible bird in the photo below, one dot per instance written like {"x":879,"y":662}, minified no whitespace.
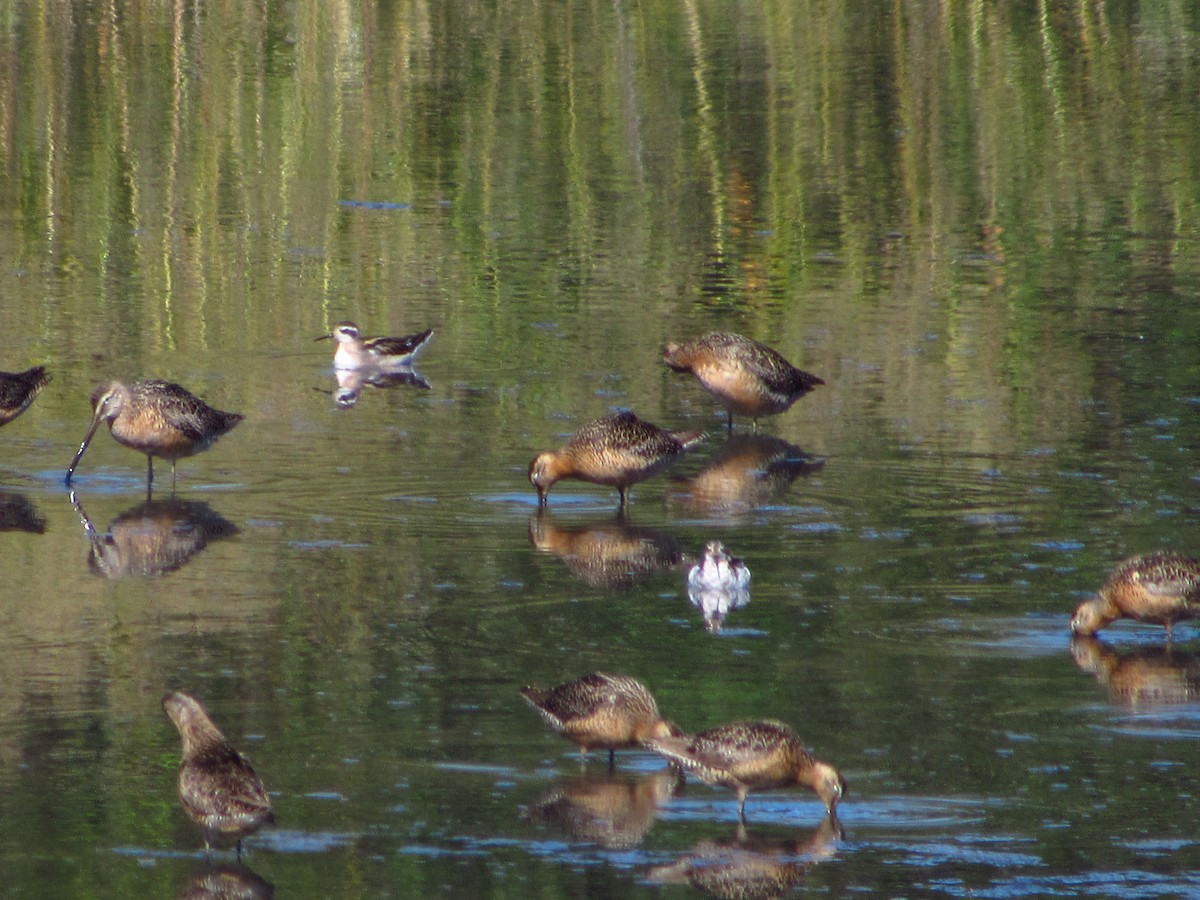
{"x":618,"y":450}
{"x":157,"y":418}
{"x":357,"y":352}
{"x":717,"y":584}
{"x":746,"y":377}
{"x":17,"y":390}
{"x":1160,"y":588}
{"x":752,"y":756}
{"x":601,"y":712}
{"x":218,"y":787}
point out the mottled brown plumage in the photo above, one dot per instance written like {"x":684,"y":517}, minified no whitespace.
{"x":746,"y":377}
{"x":751,"y":868}
{"x":17,"y":390}
{"x":157,"y":418}
{"x":619,"y":451}
{"x":1142,"y":676}
{"x":357,"y":352}
{"x":752,"y":756}
{"x":612,"y":811}
{"x":748,"y":471}
{"x":218,"y":787}
{"x":610,"y":554}
{"x":601,"y":712}
{"x":1158,"y":588}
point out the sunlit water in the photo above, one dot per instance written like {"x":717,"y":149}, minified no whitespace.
{"x":357,"y":580}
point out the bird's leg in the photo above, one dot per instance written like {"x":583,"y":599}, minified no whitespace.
{"x":624,"y":499}
{"x":612,"y":760}
{"x":742,"y":806}
{"x":173,"y":476}
{"x":149,"y":470}
{"x":729,"y":423}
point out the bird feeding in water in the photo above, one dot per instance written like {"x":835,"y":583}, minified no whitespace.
{"x":218,"y":788}
{"x":619,"y":451}
{"x":157,"y":418}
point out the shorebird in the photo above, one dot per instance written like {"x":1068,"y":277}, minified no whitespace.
{"x":356,"y":352}
{"x":17,"y":390}
{"x":601,"y":712}
{"x":752,"y":756}
{"x":218,"y":787}
{"x":619,"y":451}
{"x":1160,"y":588}
{"x":746,"y":377}
{"x":718,"y":584}
{"x":157,"y":418}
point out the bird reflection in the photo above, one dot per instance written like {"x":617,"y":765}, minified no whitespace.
{"x":611,"y":554}
{"x":718,"y":584}
{"x":17,"y":513}
{"x":612,"y":811}
{"x":748,"y":471}
{"x":746,"y":867}
{"x":152,"y":538}
{"x":226,"y":882}
{"x":350,"y":382}
{"x":1144,"y":676}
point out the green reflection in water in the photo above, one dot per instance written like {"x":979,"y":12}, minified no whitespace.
{"x":976,"y":221}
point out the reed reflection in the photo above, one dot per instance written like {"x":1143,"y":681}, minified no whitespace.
{"x":228,"y":881}
{"x":748,"y":471}
{"x":17,"y":513}
{"x":610,"y":554}
{"x":751,"y":867}
{"x":1141,"y":676}
{"x":352,"y":382}
{"x":152,"y":538}
{"x":612,"y":811}
{"x":718,"y":584}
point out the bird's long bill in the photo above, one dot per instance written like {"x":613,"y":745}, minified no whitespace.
{"x":324,"y":337}
{"x":79,"y":453}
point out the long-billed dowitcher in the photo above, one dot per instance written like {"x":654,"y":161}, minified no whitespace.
{"x":1141,"y":676}
{"x":619,"y":451}
{"x":1160,"y":588}
{"x":157,"y":418}
{"x":752,"y":756}
{"x":17,"y":390}
{"x":218,"y":787}
{"x":746,"y":377}
{"x":718,"y":584}
{"x":601,"y":712}
{"x":357,"y":352}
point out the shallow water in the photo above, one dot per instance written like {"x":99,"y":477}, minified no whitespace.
{"x":944,"y":213}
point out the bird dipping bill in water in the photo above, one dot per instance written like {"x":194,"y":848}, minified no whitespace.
{"x":718,"y":584}
{"x":601,"y":712}
{"x":1160,"y":588}
{"x":619,"y":451}
{"x":17,"y":390}
{"x":752,"y":756}
{"x":218,"y":787}
{"x":746,"y":377}
{"x":157,"y":418}
{"x":356,"y":352}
